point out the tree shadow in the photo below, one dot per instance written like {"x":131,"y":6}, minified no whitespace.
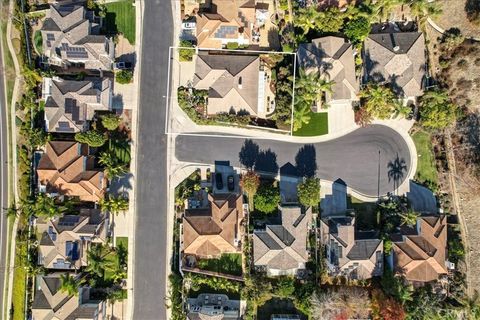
{"x":266,"y":161}
{"x":306,"y":161}
{"x":249,"y":153}
{"x":396,"y":171}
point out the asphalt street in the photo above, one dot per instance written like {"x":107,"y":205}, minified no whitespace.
{"x":369,"y":160}
{"x":3,"y":185}
{"x":151,"y":180}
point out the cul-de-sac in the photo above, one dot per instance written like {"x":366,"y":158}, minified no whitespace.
{"x":240,"y":159}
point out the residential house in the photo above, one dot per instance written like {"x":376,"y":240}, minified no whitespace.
{"x":67,"y":168}
{"x":334,"y":59}
{"x":350,"y":253}
{"x":214,"y":306}
{"x":70,"y":105}
{"x":225,"y":21}
{"x":420,"y":252}
{"x":71,"y":37}
{"x":235,"y":83}
{"x":281,"y":249}
{"x":65,"y":240}
{"x":214,"y":229}
{"x":52,"y":303}
{"x":397,"y":58}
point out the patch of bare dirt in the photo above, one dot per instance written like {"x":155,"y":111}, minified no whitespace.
{"x":455,"y":16}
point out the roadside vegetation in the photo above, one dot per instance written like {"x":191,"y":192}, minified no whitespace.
{"x":426,"y":166}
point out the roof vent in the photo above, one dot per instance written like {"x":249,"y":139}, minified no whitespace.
{"x":396,"y":48}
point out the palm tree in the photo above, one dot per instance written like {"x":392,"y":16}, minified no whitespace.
{"x":424,"y":9}
{"x":311,"y":86}
{"x":301,"y":115}
{"x":383,"y":8}
{"x":305,"y":18}
{"x":408,"y":218}
{"x":46,"y":206}
{"x":69,"y":284}
{"x":113,"y":167}
{"x":118,"y":266}
{"x":96,"y":262}
{"x":114,"y":205}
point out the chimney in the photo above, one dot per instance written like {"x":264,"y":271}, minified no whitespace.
{"x":394,"y":44}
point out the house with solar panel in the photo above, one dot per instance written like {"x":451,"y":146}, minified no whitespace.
{"x":50,"y":302}
{"x":281,"y":249}
{"x":65,"y":240}
{"x":70,"y":105}
{"x":350,"y":253}
{"x":225,"y":21}
{"x":71,"y":37}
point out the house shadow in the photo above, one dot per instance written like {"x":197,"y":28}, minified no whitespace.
{"x":117,"y":102}
{"x":128,"y":57}
{"x":334,"y":200}
{"x":289,"y":180}
{"x":306,"y":161}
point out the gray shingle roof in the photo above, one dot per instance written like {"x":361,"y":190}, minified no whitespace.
{"x":397,"y":58}
{"x":363,"y":249}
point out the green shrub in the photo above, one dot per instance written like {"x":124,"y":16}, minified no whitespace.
{"x":186,"y":54}
{"x":267,"y":198}
{"x":357,"y":30}
{"x":232,"y":45}
{"x":111,"y":121}
{"x":124,"y":76}
{"x":92,"y":138}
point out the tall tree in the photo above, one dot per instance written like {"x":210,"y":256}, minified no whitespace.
{"x":301,"y":115}
{"x":69,"y":284}
{"x":305,"y":18}
{"x":436,"y":110}
{"x":250,"y":181}
{"x":409,"y":218}
{"x":309,"y":192}
{"x":424,"y":9}
{"x":96,"y":262}
{"x":379,"y":101}
{"x":114,"y":167}
{"x":267,"y":198}
{"x":113,"y":204}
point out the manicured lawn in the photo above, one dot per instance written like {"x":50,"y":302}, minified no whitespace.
{"x":120,"y":18}
{"x":208,"y":289}
{"x":37,"y":39}
{"x":230,"y":263}
{"x":317,"y":126}
{"x":426,"y":168}
{"x":19,"y":277}
{"x":365,"y":213}
{"x":123,"y":241}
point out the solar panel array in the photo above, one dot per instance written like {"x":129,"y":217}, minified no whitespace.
{"x":225,"y":30}
{"x":74,"y":52}
{"x":68,"y":220}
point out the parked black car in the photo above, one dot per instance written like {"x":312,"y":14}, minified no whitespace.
{"x":230,"y":184}
{"x":219,"y":180}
